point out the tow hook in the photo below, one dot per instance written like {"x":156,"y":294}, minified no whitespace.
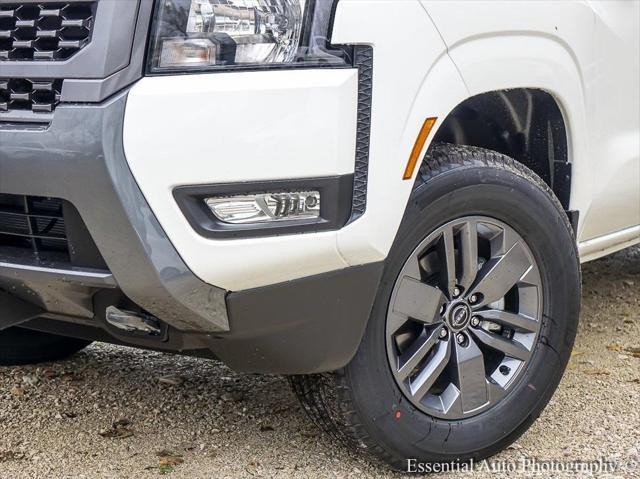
{"x":133,"y":322}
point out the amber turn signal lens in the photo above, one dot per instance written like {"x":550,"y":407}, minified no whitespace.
{"x":417,"y":147}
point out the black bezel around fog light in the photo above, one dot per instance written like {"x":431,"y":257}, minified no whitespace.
{"x":314,"y":49}
{"x":335,"y":206}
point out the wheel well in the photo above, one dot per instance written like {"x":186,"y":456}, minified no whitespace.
{"x":525,"y":124}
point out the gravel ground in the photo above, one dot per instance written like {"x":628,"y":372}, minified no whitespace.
{"x":119,"y":412}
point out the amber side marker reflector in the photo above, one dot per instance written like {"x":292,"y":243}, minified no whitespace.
{"x":417,"y":147}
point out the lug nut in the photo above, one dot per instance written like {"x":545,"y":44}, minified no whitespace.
{"x":443,"y":308}
{"x":443,"y":333}
{"x":456,"y":292}
{"x":473,"y":299}
{"x":475,"y":321}
{"x":460,"y":339}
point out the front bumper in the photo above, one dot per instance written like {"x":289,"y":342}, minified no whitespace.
{"x":308,"y":325}
{"x":79,"y":157}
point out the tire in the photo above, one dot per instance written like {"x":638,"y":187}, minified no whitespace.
{"x":23,"y":346}
{"x":366,"y":407}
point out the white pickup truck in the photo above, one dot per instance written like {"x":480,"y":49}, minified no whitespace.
{"x":387,"y":200}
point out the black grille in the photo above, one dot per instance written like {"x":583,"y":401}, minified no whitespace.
{"x":46,"y":232}
{"x":39,"y":96}
{"x":33,"y":226}
{"x":45,"y":31}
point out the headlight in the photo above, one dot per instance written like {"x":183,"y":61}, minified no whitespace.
{"x":212,"y":34}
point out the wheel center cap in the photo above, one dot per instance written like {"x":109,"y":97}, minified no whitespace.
{"x":459,"y":316}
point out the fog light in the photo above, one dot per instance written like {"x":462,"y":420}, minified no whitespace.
{"x":266,"y":207}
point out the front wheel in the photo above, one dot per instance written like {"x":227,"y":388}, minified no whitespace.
{"x":474,"y":320}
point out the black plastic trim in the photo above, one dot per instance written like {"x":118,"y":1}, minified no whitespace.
{"x":335,"y":206}
{"x":363,"y":60}
{"x":186,"y":344}
{"x":305,"y":326}
{"x":574,"y":217}
{"x":561,"y":181}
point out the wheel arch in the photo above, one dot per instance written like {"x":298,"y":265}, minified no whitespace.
{"x":503,"y":67}
{"x":526,"y":124}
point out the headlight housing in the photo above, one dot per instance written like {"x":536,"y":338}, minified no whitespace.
{"x":200,"y":35}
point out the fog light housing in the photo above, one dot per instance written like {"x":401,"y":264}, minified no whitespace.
{"x":266,"y":207}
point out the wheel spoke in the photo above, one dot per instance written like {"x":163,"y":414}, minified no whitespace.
{"x":496,"y":392}
{"x":446,"y":252}
{"x":518,"y":321}
{"x":432,"y":370}
{"x":416,"y":352}
{"x":412,"y":267}
{"x":509,"y":347}
{"x":500,"y":274}
{"x":469,"y":254}
{"x":471,"y":377}
{"x":418,"y":300}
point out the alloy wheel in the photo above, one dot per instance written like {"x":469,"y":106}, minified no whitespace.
{"x":464,"y":317}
